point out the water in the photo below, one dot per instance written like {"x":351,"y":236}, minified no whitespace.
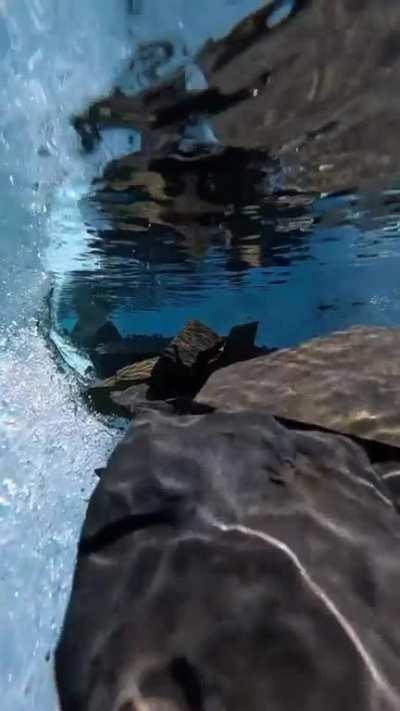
{"x":190,"y":228}
{"x":244,"y":243}
{"x":271,"y":261}
{"x":46,"y":476}
{"x":54,"y":59}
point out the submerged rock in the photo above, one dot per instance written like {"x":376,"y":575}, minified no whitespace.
{"x":227,"y":562}
{"x":180,"y":370}
{"x":349,"y":382}
{"x":108,"y":357}
{"x":184,"y":364}
{"x":134,"y":378}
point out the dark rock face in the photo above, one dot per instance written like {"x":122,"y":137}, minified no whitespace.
{"x":348,"y":381}
{"x":134,"y":378}
{"x":240,"y":345}
{"x":107,"y":333}
{"x":228,"y":563}
{"x":184,"y":363}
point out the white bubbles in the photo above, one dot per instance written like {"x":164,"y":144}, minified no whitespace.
{"x":59,"y":57}
{"x":52,"y":448}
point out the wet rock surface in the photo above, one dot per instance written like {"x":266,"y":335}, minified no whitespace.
{"x":348,"y":381}
{"x":227,"y":562}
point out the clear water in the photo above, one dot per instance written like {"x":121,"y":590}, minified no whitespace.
{"x":291,"y":262}
{"x":55,"y":58}
{"x":300,"y":271}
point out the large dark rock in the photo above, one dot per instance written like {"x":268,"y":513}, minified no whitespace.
{"x":228,"y":563}
{"x":348,"y":381}
{"x":240,"y":343}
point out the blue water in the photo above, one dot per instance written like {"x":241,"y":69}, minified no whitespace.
{"x":301,"y":282}
{"x":334,"y":264}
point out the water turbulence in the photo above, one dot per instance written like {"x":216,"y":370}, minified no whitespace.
{"x":229,"y":163}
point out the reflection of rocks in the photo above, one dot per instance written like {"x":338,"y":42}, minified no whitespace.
{"x":88,"y":336}
{"x":180,"y":370}
{"x":216,"y":194}
{"x":288,"y":111}
{"x":349,"y":382}
{"x":229,"y":563}
{"x":246,"y":233}
{"x":315,"y":96}
{"x":306,"y":89}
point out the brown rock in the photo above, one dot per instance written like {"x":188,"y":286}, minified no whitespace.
{"x":181,"y":369}
{"x":130,"y":376}
{"x":349,"y":382}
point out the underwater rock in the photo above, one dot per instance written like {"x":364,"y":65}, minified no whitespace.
{"x":227,"y":562}
{"x":184,"y":364}
{"x":88,"y":335}
{"x":106,"y":334}
{"x":181,"y":369}
{"x":131,"y":377}
{"x":348,"y":382}
{"x":130,"y":398}
{"x":109,"y":357}
{"x":240,"y":345}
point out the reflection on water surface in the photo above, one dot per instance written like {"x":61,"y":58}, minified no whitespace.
{"x":254,"y":180}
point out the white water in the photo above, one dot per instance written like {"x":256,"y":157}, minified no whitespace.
{"x":54,"y":57}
